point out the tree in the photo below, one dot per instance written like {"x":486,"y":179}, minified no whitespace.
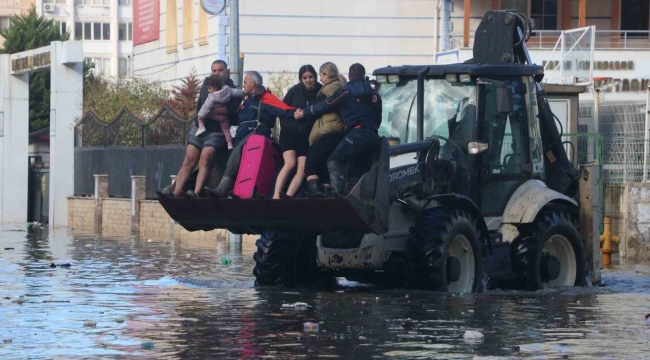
{"x":184,"y":97}
{"x":26,"y":32}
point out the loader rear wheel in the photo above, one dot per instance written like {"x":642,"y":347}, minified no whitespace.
{"x":285,"y":258}
{"x":551,"y":253}
{"x":448,"y":242}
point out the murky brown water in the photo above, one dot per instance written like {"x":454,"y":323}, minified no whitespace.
{"x":120,"y":295}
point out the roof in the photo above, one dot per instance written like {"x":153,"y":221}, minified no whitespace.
{"x":40,"y":135}
{"x":472,"y":69}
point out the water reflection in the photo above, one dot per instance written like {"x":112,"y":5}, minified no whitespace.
{"x":121,"y":293}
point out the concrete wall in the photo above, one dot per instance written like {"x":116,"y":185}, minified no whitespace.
{"x":635,"y":246}
{"x":81,"y":214}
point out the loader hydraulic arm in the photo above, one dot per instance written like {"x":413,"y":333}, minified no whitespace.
{"x":490,"y":48}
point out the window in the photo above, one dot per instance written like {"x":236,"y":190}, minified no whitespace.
{"x":506,"y":134}
{"x":99,"y":65}
{"x":122,"y":69}
{"x":88,"y":31}
{"x":124,"y":2}
{"x":63,"y":27}
{"x":5,"y":22}
{"x":121,"y":32}
{"x":78,"y":29}
{"x":634,"y":16}
{"x":54,"y":1}
{"x":125,"y":32}
{"x":106,"y":31}
{"x":520,"y":5}
{"x":544,"y":13}
{"x":97,"y":32}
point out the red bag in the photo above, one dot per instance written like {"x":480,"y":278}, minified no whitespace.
{"x":259,"y":162}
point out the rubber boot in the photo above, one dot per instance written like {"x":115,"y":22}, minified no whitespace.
{"x":337,"y":177}
{"x":314,"y":190}
{"x":224,"y":187}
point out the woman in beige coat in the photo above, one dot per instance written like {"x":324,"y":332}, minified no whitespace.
{"x":326,"y":133}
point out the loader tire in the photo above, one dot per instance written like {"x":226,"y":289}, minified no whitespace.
{"x":448,"y":245}
{"x":551,"y":252}
{"x":285,"y":258}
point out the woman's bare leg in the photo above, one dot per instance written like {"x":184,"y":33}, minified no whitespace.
{"x":297,"y":180}
{"x":289,"y":157}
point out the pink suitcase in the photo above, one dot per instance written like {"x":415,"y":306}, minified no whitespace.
{"x":259,"y":162}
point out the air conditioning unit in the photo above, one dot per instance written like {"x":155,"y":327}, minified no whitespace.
{"x":48,"y":7}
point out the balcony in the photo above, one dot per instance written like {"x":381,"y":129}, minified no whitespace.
{"x":605,"y":40}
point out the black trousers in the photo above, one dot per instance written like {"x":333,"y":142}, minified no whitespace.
{"x":319,"y":152}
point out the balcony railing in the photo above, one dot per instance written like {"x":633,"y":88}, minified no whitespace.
{"x":605,"y":40}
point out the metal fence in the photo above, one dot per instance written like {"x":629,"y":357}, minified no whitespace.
{"x":164,"y":128}
{"x":546,"y":40}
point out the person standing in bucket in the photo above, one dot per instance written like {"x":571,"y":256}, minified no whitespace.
{"x":360,"y":108}
{"x":256,"y":115}
{"x":294,"y":134}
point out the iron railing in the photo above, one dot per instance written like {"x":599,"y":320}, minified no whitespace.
{"x":165,"y":127}
{"x":546,"y":40}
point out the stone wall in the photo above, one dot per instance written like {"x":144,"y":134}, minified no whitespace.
{"x":116,"y":217}
{"x":81,"y":215}
{"x":154,"y":222}
{"x":635,"y":246}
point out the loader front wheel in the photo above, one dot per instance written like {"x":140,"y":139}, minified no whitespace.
{"x":285,"y":258}
{"x":551,"y":253}
{"x":449,"y":244}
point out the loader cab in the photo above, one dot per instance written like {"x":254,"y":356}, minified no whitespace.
{"x":481,"y":116}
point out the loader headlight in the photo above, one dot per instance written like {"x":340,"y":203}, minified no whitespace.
{"x":381,"y":79}
{"x":452,"y":78}
{"x":475,"y":147}
{"x":393,"y":79}
{"x":465,"y":78}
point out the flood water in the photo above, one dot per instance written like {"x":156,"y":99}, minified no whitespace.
{"x":122,"y":298}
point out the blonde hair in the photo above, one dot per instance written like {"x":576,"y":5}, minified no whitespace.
{"x":332,"y":71}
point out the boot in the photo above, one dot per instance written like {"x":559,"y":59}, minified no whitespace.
{"x":337,"y":177}
{"x":224,"y":187}
{"x":314,"y":190}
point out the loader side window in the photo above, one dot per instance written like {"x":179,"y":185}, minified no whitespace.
{"x":501,"y":164}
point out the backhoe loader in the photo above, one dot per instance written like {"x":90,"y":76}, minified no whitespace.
{"x":469,"y":186}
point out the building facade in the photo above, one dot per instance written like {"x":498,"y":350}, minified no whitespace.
{"x":104,"y":26}
{"x":285,"y":34}
{"x":9,"y":8}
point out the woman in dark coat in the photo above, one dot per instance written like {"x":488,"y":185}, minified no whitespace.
{"x":294,"y":134}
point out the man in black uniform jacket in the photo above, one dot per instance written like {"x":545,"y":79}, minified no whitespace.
{"x":360,"y":108}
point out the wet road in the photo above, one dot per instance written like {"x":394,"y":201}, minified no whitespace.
{"x":122,"y":298}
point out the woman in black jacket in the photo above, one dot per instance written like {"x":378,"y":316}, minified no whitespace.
{"x":294,"y":134}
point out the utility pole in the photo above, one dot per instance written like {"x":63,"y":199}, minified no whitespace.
{"x":235,"y":70}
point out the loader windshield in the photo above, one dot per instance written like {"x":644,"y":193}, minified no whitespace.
{"x":445,"y":105}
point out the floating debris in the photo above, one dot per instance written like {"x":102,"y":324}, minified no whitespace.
{"x":472,"y":335}
{"x":7,"y":341}
{"x":225,"y":261}
{"x":147,"y":346}
{"x":298,"y":305}
{"x":310,"y":327}
{"x":9,"y":248}
{"x":90,"y":324}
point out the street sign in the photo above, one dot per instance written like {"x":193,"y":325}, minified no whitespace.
{"x":214,"y":7}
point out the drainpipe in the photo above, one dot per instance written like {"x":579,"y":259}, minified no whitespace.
{"x":446,"y":24}
{"x":436,"y":27}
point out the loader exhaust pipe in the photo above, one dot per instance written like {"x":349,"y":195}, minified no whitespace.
{"x":420,"y":119}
